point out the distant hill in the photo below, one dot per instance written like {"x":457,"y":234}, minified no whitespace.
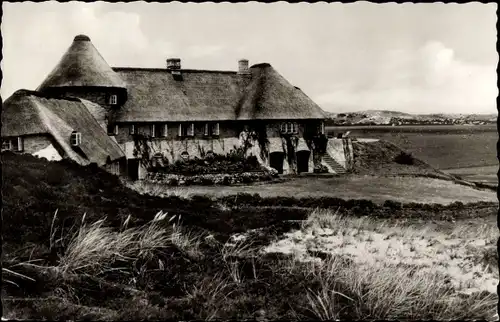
{"x":381,"y":117}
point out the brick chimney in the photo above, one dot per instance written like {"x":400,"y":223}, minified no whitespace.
{"x":243,"y":67}
{"x":173,"y":63}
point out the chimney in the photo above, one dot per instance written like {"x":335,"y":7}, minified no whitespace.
{"x":173,"y":63}
{"x":243,"y":67}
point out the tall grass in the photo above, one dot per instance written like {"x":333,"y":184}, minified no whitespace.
{"x":384,"y":290}
{"x":211,"y":292}
{"x":95,"y":248}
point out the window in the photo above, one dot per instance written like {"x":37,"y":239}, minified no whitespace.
{"x":321,"y":128}
{"x":20,"y":144}
{"x":186,"y":129}
{"x":211,"y":129}
{"x":15,"y":144}
{"x":113,"y":99}
{"x":6,"y":145}
{"x":132,"y":129}
{"x":153,"y":130}
{"x":76,"y":138}
{"x":165,"y":130}
{"x":289,"y":127}
{"x":215,"y":130}
{"x":111,"y":129}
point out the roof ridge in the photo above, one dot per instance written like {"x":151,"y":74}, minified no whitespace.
{"x":189,"y":70}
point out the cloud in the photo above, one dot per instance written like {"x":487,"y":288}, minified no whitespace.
{"x":40,"y":43}
{"x":421,"y":81}
{"x":198,"y":51}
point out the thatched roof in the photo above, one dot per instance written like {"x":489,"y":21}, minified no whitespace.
{"x":202,"y":95}
{"x":82,"y":65}
{"x":155,"y":95}
{"x":270,"y":96}
{"x":27,"y":112}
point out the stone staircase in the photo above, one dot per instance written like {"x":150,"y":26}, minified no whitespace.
{"x":334,"y":164}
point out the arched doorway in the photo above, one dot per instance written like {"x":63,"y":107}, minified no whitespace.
{"x":276,"y":160}
{"x":303,"y":161}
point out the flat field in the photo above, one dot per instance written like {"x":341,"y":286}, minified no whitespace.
{"x":377,"y":189}
{"x":442,"y":146}
{"x":476,"y":174}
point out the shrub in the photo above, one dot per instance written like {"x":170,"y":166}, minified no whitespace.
{"x":319,"y":168}
{"x":394,"y":205}
{"x":404,"y":158}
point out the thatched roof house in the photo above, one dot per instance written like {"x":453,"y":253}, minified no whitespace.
{"x":28,"y":113}
{"x":161,"y":103}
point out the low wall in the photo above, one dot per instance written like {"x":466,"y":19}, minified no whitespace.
{"x":210,"y":179}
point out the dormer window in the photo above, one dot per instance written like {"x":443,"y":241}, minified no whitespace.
{"x":113,"y":99}
{"x":76,"y":138}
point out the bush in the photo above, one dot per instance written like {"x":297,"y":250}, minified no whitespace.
{"x":404,"y":158}
{"x":395,"y":205}
{"x":319,"y":168}
{"x":234,"y":162}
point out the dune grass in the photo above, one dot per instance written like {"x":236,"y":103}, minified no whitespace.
{"x":236,"y":279}
{"x":428,"y":274}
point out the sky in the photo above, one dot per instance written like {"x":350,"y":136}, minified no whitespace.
{"x":415,"y":58}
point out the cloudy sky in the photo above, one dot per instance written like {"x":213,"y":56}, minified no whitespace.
{"x":417,"y":58}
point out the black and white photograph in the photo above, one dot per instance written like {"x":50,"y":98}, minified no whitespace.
{"x":249,"y":161}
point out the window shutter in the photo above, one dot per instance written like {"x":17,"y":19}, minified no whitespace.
{"x":191,"y":130}
{"x":180,"y":129}
{"x":165,"y":129}
{"x":206,"y":129}
{"x":153,"y":130}
{"x":20,"y":145}
{"x":216,"y":129}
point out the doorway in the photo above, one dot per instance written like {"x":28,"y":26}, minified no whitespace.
{"x":133,"y":169}
{"x":303,"y":161}
{"x":276,"y":161}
